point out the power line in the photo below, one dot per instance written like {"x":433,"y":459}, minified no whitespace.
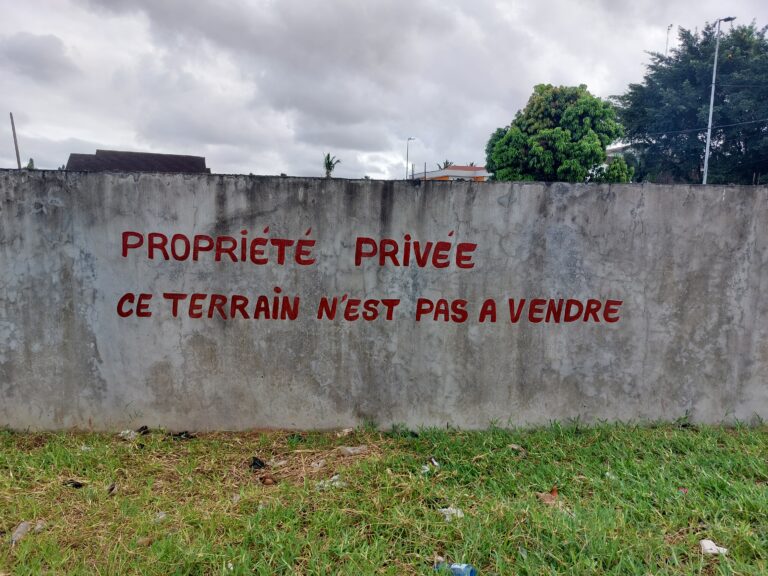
{"x":704,"y":129}
{"x":743,"y":85}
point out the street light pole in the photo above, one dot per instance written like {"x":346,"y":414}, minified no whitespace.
{"x":407,"y":143}
{"x":712,"y":96}
{"x":15,"y":142}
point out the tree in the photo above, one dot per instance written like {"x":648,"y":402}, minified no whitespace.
{"x":616,"y":171}
{"x":31,"y":164}
{"x":666,"y":115}
{"x":330,"y":163}
{"x":444,"y":165}
{"x":561,"y":134}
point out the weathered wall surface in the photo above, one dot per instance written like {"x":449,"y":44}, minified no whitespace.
{"x":689,"y":264}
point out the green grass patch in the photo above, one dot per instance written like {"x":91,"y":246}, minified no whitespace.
{"x":631,"y":500}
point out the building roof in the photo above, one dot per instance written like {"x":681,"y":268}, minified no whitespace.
{"x":467,"y":168}
{"x":455,"y":172}
{"x":118,"y":161}
{"x":619,"y":148}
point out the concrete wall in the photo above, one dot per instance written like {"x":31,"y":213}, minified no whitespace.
{"x":689,"y":264}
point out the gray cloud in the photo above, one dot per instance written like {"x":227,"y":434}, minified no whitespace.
{"x":41,"y":57}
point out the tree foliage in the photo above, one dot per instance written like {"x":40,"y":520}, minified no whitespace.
{"x":665,"y":117}
{"x":444,"y":165}
{"x":616,"y":171}
{"x":561,"y":134}
{"x":330,"y":163}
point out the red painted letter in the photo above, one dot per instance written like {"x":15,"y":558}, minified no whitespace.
{"x":423,"y":306}
{"x":175,"y":298}
{"x":611,"y":310}
{"x":360,"y":253}
{"x":127,"y":245}
{"x":125,"y":298}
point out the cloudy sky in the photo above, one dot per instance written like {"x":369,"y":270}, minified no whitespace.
{"x":269,"y":86}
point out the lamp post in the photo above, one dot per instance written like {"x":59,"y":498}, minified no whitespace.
{"x":407,"y":144}
{"x":712,"y":96}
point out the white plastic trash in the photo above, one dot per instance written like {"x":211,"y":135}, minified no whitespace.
{"x":353,"y":450}
{"x":19,"y":533}
{"x":709,"y":547}
{"x":450,"y":513}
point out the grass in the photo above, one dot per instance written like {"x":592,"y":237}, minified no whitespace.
{"x":631,"y":500}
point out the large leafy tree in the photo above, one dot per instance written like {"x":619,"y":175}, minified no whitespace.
{"x":665,"y":117}
{"x":561,"y":134}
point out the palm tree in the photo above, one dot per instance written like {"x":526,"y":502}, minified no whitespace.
{"x":444,"y":165}
{"x":330,"y":163}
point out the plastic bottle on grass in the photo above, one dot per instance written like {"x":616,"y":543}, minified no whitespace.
{"x":459,"y":569}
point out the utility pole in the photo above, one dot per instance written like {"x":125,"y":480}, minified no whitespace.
{"x":712,"y":96}
{"x":666,"y":48}
{"x":407,"y":143}
{"x":15,"y":142}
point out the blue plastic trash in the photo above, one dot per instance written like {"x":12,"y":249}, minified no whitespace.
{"x":459,"y":569}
